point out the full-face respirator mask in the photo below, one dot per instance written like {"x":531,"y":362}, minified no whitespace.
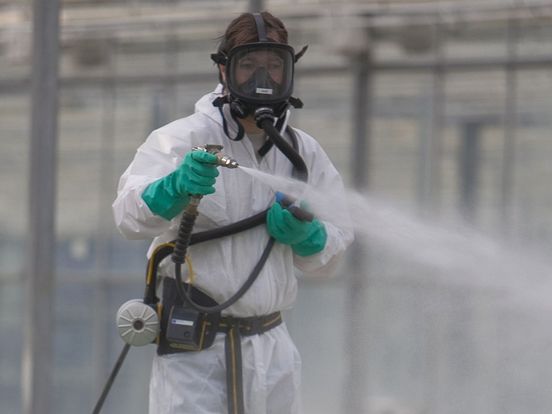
{"x":258,"y":75}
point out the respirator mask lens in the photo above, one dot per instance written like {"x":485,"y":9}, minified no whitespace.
{"x":261,"y":73}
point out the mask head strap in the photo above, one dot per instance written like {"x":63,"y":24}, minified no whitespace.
{"x":301,"y":53}
{"x":261,"y":28}
{"x":219,"y":58}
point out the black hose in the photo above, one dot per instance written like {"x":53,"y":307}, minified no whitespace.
{"x":184,"y":240}
{"x":185,"y":295}
{"x":184,"y":236}
{"x":245,"y":224}
{"x":267,"y":124}
{"x":111,"y":378}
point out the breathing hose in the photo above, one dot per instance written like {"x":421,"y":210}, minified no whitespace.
{"x":265,"y":120}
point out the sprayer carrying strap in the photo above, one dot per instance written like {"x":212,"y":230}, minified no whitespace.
{"x":235,"y":328}
{"x":253,"y":325}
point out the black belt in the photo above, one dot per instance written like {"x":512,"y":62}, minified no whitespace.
{"x":235,"y":328}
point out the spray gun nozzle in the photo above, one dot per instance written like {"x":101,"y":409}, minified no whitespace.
{"x":225,"y":161}
{"x":222,"y":160}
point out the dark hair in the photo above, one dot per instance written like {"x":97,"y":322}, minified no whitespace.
{"x":244,"y":30}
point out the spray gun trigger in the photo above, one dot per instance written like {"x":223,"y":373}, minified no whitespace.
{"x":291,"y":205}
{"x":283,"y":199}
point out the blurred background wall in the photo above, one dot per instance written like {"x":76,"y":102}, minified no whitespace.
{"x":440,"y":107}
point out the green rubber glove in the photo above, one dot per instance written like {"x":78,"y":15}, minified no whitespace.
{"x":196,"y":175}
{"x":305,"y":237}
{"x":314,"y":243}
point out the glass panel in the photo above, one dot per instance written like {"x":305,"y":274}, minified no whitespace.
{"x":326,"y":114}
{"x":14,"y":164}
{"x":473,"y":146}
{"x":533,"y":35}
{"x":403,"y":115}
{"x":532,"y":167}
{"x":479,"y":39}
{"x":11,"y":341}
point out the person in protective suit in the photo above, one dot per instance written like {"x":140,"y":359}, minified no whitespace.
{"x":256,"y":71}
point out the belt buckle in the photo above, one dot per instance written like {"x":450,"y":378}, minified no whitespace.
{"x":254,"y":326}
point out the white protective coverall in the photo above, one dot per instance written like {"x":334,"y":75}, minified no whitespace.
{"x":195,"y":382}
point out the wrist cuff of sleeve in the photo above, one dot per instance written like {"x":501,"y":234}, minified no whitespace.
{"x":162,"y":200}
